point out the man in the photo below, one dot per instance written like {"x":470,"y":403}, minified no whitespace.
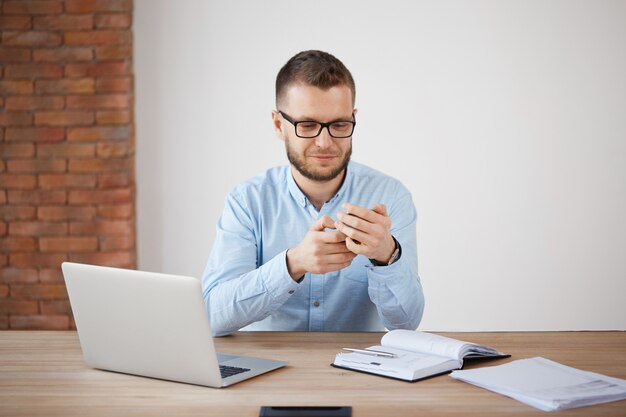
{"x":324,"y":244}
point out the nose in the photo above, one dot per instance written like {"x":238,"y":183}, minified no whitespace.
{"x":324,"y":140}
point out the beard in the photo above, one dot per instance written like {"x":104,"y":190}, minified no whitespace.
{"x":310,"y":172}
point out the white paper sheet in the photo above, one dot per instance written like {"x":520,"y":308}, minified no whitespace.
{"x":545,"y":384}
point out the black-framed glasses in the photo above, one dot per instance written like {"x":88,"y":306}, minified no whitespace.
{"x":309,"y":129}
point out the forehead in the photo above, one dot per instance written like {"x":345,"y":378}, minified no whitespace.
{"x":307,"y":101}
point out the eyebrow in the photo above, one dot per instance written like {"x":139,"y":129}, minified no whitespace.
{"x":340,"y":119}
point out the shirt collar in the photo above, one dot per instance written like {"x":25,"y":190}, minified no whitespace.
{"x":302,"y":199}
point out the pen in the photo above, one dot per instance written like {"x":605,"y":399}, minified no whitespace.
{"x":372,"y":352}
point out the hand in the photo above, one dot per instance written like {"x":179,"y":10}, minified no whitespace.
{"x":368,"y":231}
{"x":320,"y":251}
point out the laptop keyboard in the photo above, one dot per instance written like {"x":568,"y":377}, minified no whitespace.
{"x":227,"y":371}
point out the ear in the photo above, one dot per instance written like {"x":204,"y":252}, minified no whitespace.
{"x":278,"y":125}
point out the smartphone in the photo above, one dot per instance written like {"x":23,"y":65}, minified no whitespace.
{"x":303,"y":411}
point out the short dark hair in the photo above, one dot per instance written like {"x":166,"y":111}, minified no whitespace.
{"x":316,"y":68}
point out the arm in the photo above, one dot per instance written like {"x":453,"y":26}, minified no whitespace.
{"x":237,"y":291}
{"x":394,"y":289}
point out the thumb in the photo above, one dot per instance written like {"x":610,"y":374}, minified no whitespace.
{"x":380,"y":209}
{"x":323,"y":223}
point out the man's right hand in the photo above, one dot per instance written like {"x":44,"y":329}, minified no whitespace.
{"x":320,"y":251}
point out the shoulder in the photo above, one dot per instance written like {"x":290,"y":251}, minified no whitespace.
{"x":267,"y":181}
{"x":364,"y":175}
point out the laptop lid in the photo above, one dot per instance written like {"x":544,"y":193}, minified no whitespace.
{"x":148,"y":324}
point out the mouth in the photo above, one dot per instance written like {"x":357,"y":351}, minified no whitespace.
{"x":323,"y":158}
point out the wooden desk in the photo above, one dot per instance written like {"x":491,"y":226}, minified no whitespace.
{"x":42,"y":374}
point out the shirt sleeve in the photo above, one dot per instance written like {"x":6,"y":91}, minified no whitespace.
{"x":396,"y":289}
{"x":236,"y":290}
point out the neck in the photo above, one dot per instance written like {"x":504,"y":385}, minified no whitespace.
{"x":318,"y":192}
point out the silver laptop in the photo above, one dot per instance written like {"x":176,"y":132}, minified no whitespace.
{"x":152,"y":325}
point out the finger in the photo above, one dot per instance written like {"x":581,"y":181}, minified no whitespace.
{"x":362,"y":212}
{"x":332,"y":237}
{"x":323,"y":223}
{"x":333,"y":248}
{"x":356,"y":235}
{"x":380,"y":209}
{"x":353,"y":246}
{"x":354,"y":222}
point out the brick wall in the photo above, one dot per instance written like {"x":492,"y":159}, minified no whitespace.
{"x":67,"y":186}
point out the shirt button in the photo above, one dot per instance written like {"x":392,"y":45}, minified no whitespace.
{"x":316,"y":304}
{"x":291,"y":291}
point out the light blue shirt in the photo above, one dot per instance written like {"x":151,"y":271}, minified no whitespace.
{"x":246,"y":282}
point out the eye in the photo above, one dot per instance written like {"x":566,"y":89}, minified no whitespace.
{"x":308,"y":125}
{"x":341,"y":125}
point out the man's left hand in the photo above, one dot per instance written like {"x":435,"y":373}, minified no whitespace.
{"x":367,"y":230}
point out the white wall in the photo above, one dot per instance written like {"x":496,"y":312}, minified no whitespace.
{"x":506,"y":120}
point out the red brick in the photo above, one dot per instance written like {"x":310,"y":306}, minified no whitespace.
{"x":66,"y":150}
{"x":18,"y":307}
{"x":102,"y":101}
{"x":39,"y":322}
{"x":39,"y":291}
{"x":33,"y":71}
{"x":65,"y":86}
{"x":100,"y":69}
{"x":68,"y":244}
{"x":36,"y":165}
{"x":17,"y":150}
{"x":38,"y":228}
{"x":36,"y":259}
{"x":114,"y":180}
{"x":4,"y":322}
{"x":113,"y":21}
{"x":114,"y":85}
{"x":110,"y":196}
{"x":13,"y":181}
{"x":35,"y":103}
{"x":54,"y":307}
{"x":63,"y":22}
{"x":31,"y":38}
{"x":97,"y":133}
{"x":116,"y":259}
{"x":112,"y":243}
{"x":3,"y":225}
{"x":65,"y":54}
{"x":96,"y":6}
{"x":10,"y":275}
{"x":53,"y":213}
{"x":32,"y":7}
{"x":14,"y":54}
{"x":18,"y":244}
{"x":52,"y":181}
{"x":35,"y":134}
{"x":4,"y":260}
{"x":100,"y":165}
{"x":114,"y":52}
{"x":16,"y":87}
{"x":4,"y":291}
{"x":51,"y":275}
{"x":102,"y":227}
{"x":12,"y":213}
{"x":115,"y":117}
{"x":15,"y":118}
{"x":64,"y":118}
{"x":15,"y":22}
{"x":116,"y":211}
{"x":113,"y":149}
{"x":36,"y":197}
{"x":98,"y":37}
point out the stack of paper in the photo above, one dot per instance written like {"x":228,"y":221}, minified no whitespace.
{"x":545,"y":384}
